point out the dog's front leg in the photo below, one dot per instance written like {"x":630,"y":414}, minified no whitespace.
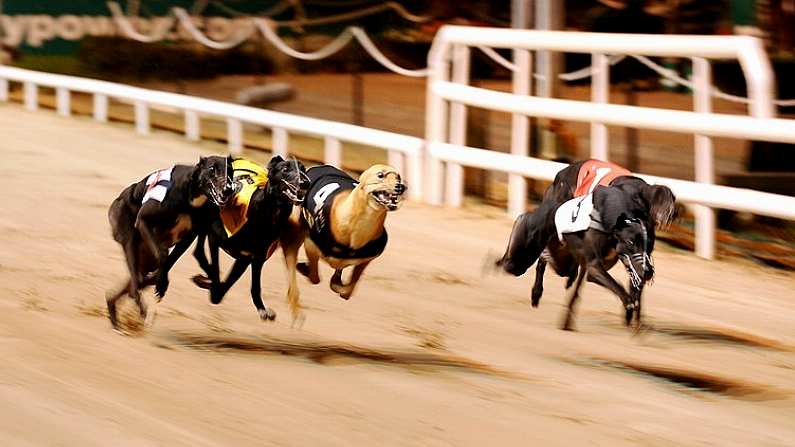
{"x":310,"y":268}
{"x":347,"y":290}
{"x":597,"y":274}
{"x":218,"y":291}
{"x":637,"y":299}
{"x":265,"y":313}
{"x":291,"y":241}
{"x":162,"y":280}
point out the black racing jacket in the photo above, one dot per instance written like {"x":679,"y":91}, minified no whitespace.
{"x":325,"y":183}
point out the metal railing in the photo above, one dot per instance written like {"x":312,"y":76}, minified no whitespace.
{"x":448,"y":95}
{"x":404,"y":152}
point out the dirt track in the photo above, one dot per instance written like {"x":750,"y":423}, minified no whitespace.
{"x":427,"y":352}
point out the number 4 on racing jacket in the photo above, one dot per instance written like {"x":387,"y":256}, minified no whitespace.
{"x":325,"y":183}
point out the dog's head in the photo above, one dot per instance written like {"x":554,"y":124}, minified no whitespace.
{"x":631,"y":243}
{"x":289,"y":178}
{"x":214,"y":178}
{"x":384,"y":187}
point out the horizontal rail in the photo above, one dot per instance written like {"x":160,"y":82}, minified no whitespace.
{"x":309,"y":126}
{"x":724,"y":197}
{"x":713,"y":47}
{"x":712,"y":124}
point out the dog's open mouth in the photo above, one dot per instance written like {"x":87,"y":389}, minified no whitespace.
{"x":294,"y":193}
{"x":389,"y":200}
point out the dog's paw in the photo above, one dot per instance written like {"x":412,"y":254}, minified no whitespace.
{"x":202,"y":282}
{"x":266,"y":314}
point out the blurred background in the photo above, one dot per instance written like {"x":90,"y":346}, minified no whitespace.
{"x":221,"y":56}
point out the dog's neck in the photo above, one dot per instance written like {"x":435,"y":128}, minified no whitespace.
{"x":195,"y":194}
{"x":353,"y":221}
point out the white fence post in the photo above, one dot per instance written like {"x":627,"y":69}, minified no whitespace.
{"x":454,"y":187}
{"x":435,"y":123}
{"x":31,"y":96}
{"x":192,"y":125}
{"x":141,"y":118}
{"x":62,"y":101}
{"x":395,"y":159}
{"x":279,"y":141}
{"x":3,"y":89}
{"x":100,"y":108}
{"x":414,"y":177}
{"x":600,"y":93}
{"x":704,"y":160}
{"x":332,"y":152}
{"x":520,"y":132}
{"x":234,"y":136}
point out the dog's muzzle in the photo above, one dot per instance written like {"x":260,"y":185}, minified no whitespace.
{"x":220,"y":196}
{"x":390,"y":200}
{"x":296,"y":193}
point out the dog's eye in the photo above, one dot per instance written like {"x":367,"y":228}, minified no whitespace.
{"x":381,"y":174}
{"x":629,"y":243}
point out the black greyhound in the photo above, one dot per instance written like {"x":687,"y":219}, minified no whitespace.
{"x":163,"y":210}
{"x":253,"y":243}
{"x":629,"y":211}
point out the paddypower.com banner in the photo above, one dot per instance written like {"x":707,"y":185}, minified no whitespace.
{"x":57,"y":26}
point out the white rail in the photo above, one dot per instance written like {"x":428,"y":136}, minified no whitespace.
{"x":447,"y":184}
{"x":400,"y":147}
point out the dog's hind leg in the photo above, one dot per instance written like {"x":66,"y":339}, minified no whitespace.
{"x":111,"y":297}
{"x":310,"y":268}
{"x":538,"y":284}
{"x":265,"y":313}
{"x":131,"y":248}
{"x":575,"y":295}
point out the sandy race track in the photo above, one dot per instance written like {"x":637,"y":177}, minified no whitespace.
{"x":427,"y":352}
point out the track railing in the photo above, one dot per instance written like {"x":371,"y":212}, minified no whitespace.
{"x":448,"y":95}
{"x":404,"y":152}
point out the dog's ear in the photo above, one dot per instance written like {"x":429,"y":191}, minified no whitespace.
{"x":274,"y":161}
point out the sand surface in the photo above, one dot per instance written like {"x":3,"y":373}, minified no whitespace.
{"x":427,"y":352}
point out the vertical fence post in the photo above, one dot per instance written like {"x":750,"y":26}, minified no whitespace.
{"x":454,"y":187}
{"x":192,"y":125}
{"x":332,"y":152}
{"x":395,"y":159}
{"x":234,"y":136}
{"x":3,"y":89}
{"x":100,"y":108}
{"x":520,"y":132}
{"x":31,"y":96}
{"x":435,"y":123}
{"x":141,"y":118}
{"x":704,"y":160}
{"x":415,"y":177}
{"x":600,"y":93}
{"x":62,"y":101}
{"x":279,"y":141}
